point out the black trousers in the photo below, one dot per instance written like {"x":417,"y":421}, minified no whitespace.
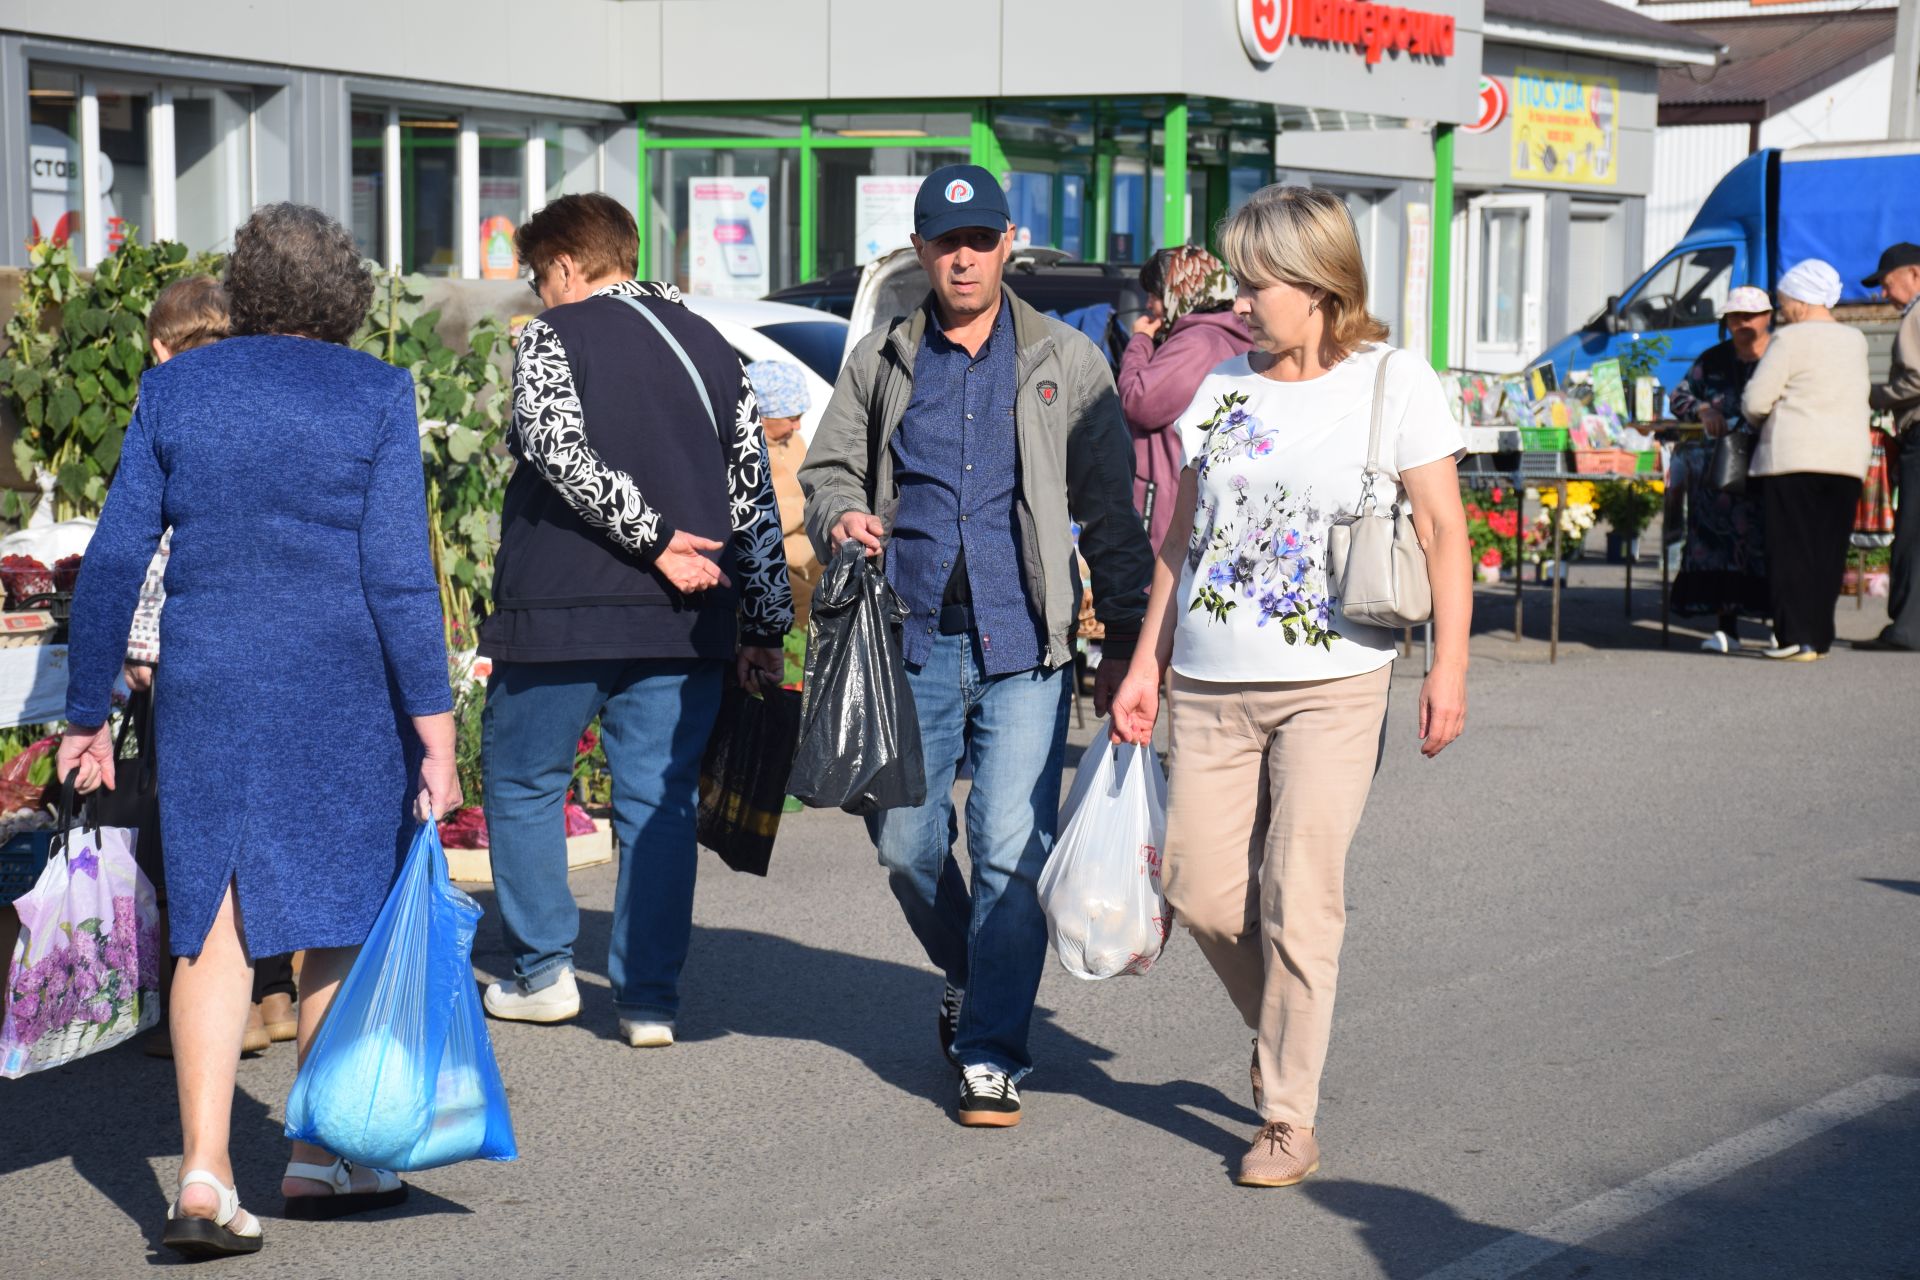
{"x":1903,"y":603}
{"x":1809,"y":519}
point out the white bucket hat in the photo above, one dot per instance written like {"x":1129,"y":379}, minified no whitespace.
{"x":1811,"y":281}
{"x":1747,"y":300}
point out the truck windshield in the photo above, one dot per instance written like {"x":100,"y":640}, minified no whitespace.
{"x":1686,"y":290}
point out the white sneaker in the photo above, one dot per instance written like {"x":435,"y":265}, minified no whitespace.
{"x":555,"y":1002}
{"x":1718,"y":642}
{"x":1784,"y":651}
{"x":646,"y":1035}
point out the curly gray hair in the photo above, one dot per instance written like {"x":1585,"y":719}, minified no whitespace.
{"x":295,"y":270}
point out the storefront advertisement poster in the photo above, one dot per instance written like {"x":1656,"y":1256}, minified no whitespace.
{"x":882,"y":216}
{"x":1415,"y":306}
{"x":727,"y":237}
{"x":1565,"y":128}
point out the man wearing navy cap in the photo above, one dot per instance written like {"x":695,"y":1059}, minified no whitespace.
{"x":965,"y":440}
{"x":1898,"y":276}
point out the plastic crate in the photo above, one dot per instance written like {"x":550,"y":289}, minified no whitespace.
{"x":1647,"y":462}
{"x":1542,"y":464}
{"x":1615,"y":462}
{"x":22,"y":859}
{"x":1544,"y":439}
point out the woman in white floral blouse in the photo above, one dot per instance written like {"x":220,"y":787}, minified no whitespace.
{"x":1278,"y":701}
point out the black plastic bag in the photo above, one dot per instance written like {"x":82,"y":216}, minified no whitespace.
{"x":743,"y":776}
{"x":859,"y":732}
{"x":135,"y":799}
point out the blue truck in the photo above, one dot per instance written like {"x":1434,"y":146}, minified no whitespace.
{"x":1843,"y":202}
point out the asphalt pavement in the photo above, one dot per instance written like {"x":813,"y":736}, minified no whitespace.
{"x":1628,"y":991}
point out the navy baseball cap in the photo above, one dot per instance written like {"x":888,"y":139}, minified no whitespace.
{"x":1904,"y":254}
{"x":956,"y":196}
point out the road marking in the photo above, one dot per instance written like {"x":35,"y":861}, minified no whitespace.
{"x":1527,"y":1249}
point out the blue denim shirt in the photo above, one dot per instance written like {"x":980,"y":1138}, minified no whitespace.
{"x":955,"y":461}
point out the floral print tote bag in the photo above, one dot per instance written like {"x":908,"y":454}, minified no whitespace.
{"x":86,"y":971}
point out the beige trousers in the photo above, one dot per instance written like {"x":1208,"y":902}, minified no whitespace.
{"x":1266,"y":785}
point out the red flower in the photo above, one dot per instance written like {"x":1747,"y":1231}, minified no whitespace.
{"x":1492,"y":559}
{"x":588,"y":741}
{"x":1504,"y":523}
{"x":1499,"y":495}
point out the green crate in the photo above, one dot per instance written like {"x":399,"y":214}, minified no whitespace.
{"x":1544,"y":439}
{"x":1647,"y":462}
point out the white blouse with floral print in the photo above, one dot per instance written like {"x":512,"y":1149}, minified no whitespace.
{"x":1276,"y":462}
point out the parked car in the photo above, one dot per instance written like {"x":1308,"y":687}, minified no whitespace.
{"x":1843,"y":202}
{"x":762,"y":330}
{"x":1048,"y":279}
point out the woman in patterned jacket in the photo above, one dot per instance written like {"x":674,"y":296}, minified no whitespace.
{"x":640,"y":565}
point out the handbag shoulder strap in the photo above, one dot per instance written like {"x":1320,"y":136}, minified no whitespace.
{"x":686,"y":361}
{"x":1373,"y":431}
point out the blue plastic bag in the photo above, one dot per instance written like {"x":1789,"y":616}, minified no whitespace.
{"x":401,"y":1075}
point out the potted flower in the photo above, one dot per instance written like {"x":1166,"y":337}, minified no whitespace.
{"x":1628,"y":507}
{"x":1491,"y":529}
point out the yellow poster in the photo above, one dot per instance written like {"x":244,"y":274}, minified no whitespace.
{"x":1566,"y":127}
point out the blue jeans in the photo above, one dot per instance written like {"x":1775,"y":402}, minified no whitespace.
{"x":992,"y":941}
{"x":655,"y":717}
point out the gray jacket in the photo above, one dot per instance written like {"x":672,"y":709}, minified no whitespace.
{"x":1900,"y":393}
{"x":1075,"y":459}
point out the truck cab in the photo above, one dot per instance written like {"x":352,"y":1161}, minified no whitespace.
{"x":1680,"y":296}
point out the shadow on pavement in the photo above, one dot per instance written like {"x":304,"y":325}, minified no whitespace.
{"x":1903,"y":886}
{"x":881,"y":1014}
{"x":1838,"y":1204}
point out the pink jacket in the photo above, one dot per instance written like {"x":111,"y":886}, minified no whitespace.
{"x":1156,"y":386}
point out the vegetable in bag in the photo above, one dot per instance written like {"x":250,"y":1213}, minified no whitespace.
{"x":1101,"y":891}
{"x":402,"y":1075}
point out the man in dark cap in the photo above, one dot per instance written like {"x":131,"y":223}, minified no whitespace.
{"x":1898,"y":276}
{"x":966,"y":439}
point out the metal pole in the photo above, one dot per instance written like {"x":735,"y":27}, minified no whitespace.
{"x":1559,"y":569}
{"x":1173,"y":165}
{"x":1519,"y":549}
{"x":1441,"y":283}
{"x":1903,"y":115}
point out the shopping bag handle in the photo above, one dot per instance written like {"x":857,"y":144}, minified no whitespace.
{"x":74,"y":812}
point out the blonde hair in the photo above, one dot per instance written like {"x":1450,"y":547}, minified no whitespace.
{"x":1304,"y":237}
{"x":189,"y":313}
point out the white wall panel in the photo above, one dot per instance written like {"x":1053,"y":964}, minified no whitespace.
{"x":1688,"y":161}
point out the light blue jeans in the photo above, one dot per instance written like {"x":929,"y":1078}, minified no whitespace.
{"x":655,"y":718}
{"x":991,"y":941}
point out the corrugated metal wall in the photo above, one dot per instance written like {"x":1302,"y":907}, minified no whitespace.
{"x":1687,"y":161}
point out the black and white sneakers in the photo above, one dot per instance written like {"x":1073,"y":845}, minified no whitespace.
{"x":988,"y":1099}
{"x":950,"y":1001}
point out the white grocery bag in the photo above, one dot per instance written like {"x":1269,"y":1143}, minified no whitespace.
{"x":1101,"y":888}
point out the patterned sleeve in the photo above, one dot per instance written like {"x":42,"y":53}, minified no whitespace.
{"x":1689,"y":394}
{"x":143,"y":643}
{"x":550,"y":433}
{"x":766,"y":597}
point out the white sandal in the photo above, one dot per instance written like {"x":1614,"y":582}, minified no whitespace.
{"x":387,"y":1191}
{"x":231,"y":1230}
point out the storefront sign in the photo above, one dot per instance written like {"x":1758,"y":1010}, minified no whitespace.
{"x":1493,"y":106}
{"x":727,"y":237}
{"x":1417,"y":304}
{"x":882,"y":216}
{"x":1371,"y":29}
{"x":1565,"y":127}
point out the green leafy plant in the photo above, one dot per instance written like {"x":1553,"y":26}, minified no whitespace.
{"x":1642,"y":358}
{"x":464,"y":400}
{"x":1627,"y":505}
{"x":76,"y":347}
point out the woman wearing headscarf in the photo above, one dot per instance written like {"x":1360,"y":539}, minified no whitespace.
{"x":1724,"y":571}
{"x":1809,"y":395}
{"x":780,"y":388}
{"x":1189,"y":329}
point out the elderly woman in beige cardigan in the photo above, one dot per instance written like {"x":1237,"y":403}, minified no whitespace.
{"x":1809,"y":394}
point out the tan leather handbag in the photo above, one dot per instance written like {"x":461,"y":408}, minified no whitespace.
{"x":1376,"y":567}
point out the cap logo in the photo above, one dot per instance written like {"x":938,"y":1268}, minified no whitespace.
{"x":1048,"y":391}
{"x":959,"y":191}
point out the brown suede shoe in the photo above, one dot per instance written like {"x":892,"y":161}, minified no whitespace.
{"x":282,"y":1022}
{"x":256,"y":1040}
{"x":1281,"y":1155}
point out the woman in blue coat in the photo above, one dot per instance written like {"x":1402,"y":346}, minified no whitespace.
{"x":303,"y":719}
